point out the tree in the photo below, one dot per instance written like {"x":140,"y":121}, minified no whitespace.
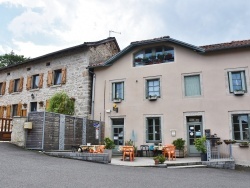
{"x":61,"y":103}
{"x":11,"y":59}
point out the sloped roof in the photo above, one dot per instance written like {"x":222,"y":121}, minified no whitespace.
{"x":200,"y":49}
{"x":227,"y":45}
{"x":70,"y":49}
{"x":135,"y":44}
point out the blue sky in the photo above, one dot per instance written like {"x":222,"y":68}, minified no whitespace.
{"x":34,"y":28}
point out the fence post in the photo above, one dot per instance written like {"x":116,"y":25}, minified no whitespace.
{"x":208,"y":150}
{"x":84,"y":127}
{"x":43,"y":130}
{"x":61,"y":132}
{"x":230,"y":151}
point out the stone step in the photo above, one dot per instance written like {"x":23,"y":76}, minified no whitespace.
{"x":188,"y":166}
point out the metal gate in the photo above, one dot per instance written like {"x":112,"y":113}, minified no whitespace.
{"x":5,"y":129}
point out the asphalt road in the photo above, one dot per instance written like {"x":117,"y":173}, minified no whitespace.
{"x":21,"y":168}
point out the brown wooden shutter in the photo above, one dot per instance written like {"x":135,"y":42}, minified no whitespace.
{"x":20,"y":89}
{"x":63,"y":81}
{"x":19,"y":109}
{"x":24,"y":112}
{"x":50,"y":78}
{"x":1,"y":111}
{"x":11,"y":86}
{"x":47,"y":105}
{"x":40,"y":85}
{"x":29,"y":81}
{"x":8,"y":111}
{"x":3,"y":88}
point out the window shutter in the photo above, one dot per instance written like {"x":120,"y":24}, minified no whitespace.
{"x":63,"y":81}
{"x":40,"y":85}
{"x":230,"y":82}
{"x":28,"y":85}
{"x":20,"y":89}
{"x":24,"y":112}
{"x":1,"y":111}
{"x":50,"y":78}
{"x":19,"y":109}
{"x":8,"y":110}
{"x":47,"y":104}
{"x":113,"y":91}
{"x":243,"y":80}
{"x":3,"y":88}
{"x":11,"y":86}
{"x":122,"y":90}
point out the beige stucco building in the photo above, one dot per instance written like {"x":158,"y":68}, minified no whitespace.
{"x":163,"y":89}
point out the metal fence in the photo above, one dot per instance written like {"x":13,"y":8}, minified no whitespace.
{"x":218,"y":151}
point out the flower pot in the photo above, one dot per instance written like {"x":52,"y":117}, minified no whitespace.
{"x":156,"y":161}
{"x":109,"y":152}
{"x":203,"y":156}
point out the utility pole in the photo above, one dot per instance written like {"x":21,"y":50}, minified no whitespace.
{"x":110,"y":31}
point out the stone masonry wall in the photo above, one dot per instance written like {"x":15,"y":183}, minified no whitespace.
{"x":78,"y":81}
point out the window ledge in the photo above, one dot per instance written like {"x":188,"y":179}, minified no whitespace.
{"x":54,"y":86}
{"x":37,"y":89}
{"x":152,"y":98}
{"x":15,"y":93}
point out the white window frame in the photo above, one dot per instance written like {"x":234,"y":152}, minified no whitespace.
{"x":112,"y":89}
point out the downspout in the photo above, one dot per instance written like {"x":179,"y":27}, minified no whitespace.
{"x":93,"y":95}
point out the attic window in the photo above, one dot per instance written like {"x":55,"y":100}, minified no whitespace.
{"x":155,"y":55}
{"x":48,"y":64}
{"x":8,"y":73}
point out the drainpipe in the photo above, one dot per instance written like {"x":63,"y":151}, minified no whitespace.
{"x":93,"y":95}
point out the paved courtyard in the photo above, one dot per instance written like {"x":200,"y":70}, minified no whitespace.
{"x":23,"y":169}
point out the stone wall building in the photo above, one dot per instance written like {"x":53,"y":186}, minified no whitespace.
{"x":27,"y":86}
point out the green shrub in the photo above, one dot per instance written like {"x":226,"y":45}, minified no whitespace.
{"x":109,"y":144}
{"x":200,"y":144}
{"x":179,"y":143}
{"x":61,"y":103}
{"x":161,"y":158}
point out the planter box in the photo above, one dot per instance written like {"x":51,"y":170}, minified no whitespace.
{"x":239,"y":92}
{"x":179,"y":153}
{"x":152,"y":98}
{"x":117,"y":100}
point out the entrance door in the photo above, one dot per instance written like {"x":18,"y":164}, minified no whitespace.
{"x":118,"y":133}
{"x":194,"y":127}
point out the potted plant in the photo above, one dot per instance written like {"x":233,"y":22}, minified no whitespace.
{"x":109,"y":145}
{"x":179,"y":144}
{"x":159,"y":159}
{"x":229,"y":141}
{"x":244,"y":144}
{"x":200,"y":145}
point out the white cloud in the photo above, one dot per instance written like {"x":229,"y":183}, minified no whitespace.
{"x":74,"y":22}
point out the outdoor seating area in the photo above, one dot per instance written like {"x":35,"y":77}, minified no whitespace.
{"x":92,"y":148}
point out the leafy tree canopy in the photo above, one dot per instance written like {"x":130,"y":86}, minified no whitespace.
{"x":61,"y":103}
{"x":11,"y":59}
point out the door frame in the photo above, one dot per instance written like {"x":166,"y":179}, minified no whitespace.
{"x":185,"y":125}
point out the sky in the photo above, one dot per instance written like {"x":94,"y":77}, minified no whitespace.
{"x":36,"y":27}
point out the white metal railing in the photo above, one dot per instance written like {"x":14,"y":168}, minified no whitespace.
{"x":217,"y":151}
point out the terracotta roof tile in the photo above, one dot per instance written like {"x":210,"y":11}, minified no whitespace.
{"x":227,"y":45}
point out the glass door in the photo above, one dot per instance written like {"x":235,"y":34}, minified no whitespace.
{"x":118,"y":133}
{"x":194,"y":125}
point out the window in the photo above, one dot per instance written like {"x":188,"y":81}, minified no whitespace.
{"x":33,"y":106}
{"x":237,"y":81}
{"x":117,"y":90}
{"x":192,"y":85}
{"x":35,"y":81}
{"x":14,"y":110}
{"x":241,"y":127}
{"x":56,"y":77}
{"x":153,"y":88}
{"x":153,"y":129}
{"x":156,"y":55}
{"x":16,"y":85}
